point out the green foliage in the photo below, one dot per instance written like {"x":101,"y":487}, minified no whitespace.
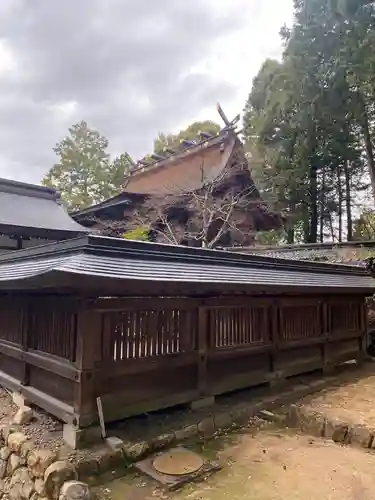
{"x":190,"y":133}
{"x":119,"y":170}
{"x":141,"y":233}
{"x":85,"y":174}
{"x":271,"y":238}
{"x":364,"y":226}
{"x":310,"y":120}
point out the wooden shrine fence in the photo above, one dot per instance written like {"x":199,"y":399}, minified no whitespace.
{"x":144,"y":354}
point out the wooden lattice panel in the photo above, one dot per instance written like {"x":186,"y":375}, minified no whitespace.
{"x":237,"y":326}
{"x":300,"y":321}
{"x":133,"y":334}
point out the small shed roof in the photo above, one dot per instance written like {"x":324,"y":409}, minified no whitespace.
{"x":31,"y":210}
{"x":110,"y":265}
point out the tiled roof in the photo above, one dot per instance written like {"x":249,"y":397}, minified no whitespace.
{"x":133,"y":262}
{"x":31,"y":210}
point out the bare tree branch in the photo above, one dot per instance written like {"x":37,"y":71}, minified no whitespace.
{"x":211,"y":209}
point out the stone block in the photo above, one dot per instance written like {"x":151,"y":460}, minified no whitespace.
{"x":360,"y":436}
{"x":329,"y":369}
{"x":206,"y":427}
{"x":294,"y":416}
{"x":21,"y":484}
{"x":23,"y":416}
{"x":241,"y":415}
{"x":7,"y":430}
{"x":39,"y":460}
{"x":202,"y":403}
{"x":4,"y":453}
{"x":312,"y":422}
{"x":71,"y":435}
{"x":87,"y":467}
{"x":186,"y":432}
{"x":76,"y":437}
{"x":162,"y":441}
{"x":336,"y":430}
{"x":109,"y":460}
{"x":39,"y":487}
{"x":3,"y":468}
{"x":277,"y":379}
{"x":16,"y":440}
{"x":56,"y":475}
{"x":19,"y":399}
{"x":135,"y":451}
{"x":14,"y":463}
{"x":75,"y":490}
{"x":114,"y":442}
{"x":223,"y":420}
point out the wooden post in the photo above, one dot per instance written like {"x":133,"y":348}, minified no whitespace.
{"x":203,"y":335}
{"x":364,"y":341}
{"x":274,"y":334}
{"x":25,"y":328}
{"x":328,"y":366}
{"x":88,"y":350}
{"x":276,"y":377}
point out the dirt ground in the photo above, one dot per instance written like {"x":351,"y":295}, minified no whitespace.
{"x":270,"y":465}
{"x":44,"y":429}
{"x":352,"y":401}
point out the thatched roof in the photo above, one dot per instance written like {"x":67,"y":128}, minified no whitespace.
{"x":171,"y":186}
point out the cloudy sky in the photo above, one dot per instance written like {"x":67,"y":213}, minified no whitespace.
{"x":130,"y":68}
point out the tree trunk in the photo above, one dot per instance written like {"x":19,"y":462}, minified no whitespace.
{"x":313,"y":219}
{"x":290,"y":236}
{"x":331,"y":228}
{"x":348,"y":202}
{"x":305,"y":222}
{"x":368,"y":143}
{"x":290,"y":232}
{"x":339,"y":191}
{"x":322,"y":206}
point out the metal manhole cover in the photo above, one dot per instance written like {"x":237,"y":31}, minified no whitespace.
{"x":178,"y":462}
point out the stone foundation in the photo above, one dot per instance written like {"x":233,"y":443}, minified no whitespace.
{"x":318,"y":425}
{"x":29,"y":473}
{"x":110,"y":459}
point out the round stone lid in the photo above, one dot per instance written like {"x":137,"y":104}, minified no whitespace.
{"x":178,"y":462}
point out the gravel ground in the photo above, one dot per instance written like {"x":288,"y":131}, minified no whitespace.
{"x":44,"y":429}
{"x":350,"y":400}
{"x":352,"y":393}
{"x":267,"y":465}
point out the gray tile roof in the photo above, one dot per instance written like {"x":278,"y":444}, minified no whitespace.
{"x":26,"y":209}
{"x":113,"y":259}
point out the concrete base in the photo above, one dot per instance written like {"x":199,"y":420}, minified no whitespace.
{"x":20,"y":400}
{"x":78,"y":438}
{"x":202,"y":403}
{"x":277,"y":379}
{"x":115,"y":443}
{"x":329,"y":369}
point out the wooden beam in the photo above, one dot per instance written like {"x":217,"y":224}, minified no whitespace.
{"x":223,"y":116}
{"x":42,"y":360}
{"x":53,"y":406}
{"x":89,"y":328}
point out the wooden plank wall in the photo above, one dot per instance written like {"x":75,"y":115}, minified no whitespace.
{"x":140,"y":355}
{"x":38,"y":350}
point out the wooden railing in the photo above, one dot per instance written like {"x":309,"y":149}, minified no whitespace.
{"x":144,"y":354}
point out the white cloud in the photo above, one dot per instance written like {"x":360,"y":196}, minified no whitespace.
{"x":7,"y":60}
{"x":239,"y":55}
{"x":131,"y":69}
